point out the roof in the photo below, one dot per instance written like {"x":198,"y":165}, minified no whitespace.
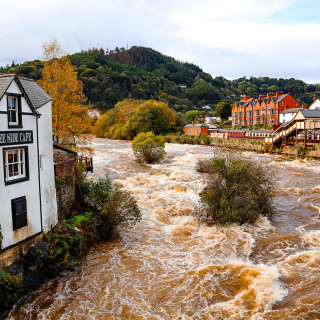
{"x":34,"y":94}
{"x":196,"y":125}
{"x":310,"y":113}
{"x":260,"y":131}
{"x":57,"y":146}
{"x":293,"y":110}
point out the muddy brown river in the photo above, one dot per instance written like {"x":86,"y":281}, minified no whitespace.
{"x":169,"y":266}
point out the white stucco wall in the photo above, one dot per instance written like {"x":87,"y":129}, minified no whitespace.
{"x":48,"y":190}
{"x":315,"y":104}
{"x":29,"y":188}
{"x":285,"y":117}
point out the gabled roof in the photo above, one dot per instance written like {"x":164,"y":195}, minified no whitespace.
{"x":281,"y":97}
{"x":34,"y":94}
{"x":293,"y":110}
{"x":310,"y":113}
{"x":5,"y":82}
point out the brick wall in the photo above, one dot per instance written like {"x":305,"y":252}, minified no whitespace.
{"x":65,"y":175}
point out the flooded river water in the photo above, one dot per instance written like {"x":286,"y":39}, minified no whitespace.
{"x":170,"y":267}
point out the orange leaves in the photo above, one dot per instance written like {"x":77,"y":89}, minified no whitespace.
{"x":70,"y":117}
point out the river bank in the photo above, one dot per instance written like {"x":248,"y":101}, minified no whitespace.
{"x":261,"y":147}
{"x":168,"y":266}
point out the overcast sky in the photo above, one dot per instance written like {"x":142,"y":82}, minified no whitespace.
{"x":230,"y":38}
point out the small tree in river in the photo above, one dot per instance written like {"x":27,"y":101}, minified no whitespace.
{"x":148,"y":147}
{"x":238,"y":191}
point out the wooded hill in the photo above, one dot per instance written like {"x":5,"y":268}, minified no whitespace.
{"x":143,"y":73}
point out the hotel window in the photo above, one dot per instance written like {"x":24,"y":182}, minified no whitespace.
{"x":14,"y":111}
{"x":19,"y":212}
{"x":15,"y":165}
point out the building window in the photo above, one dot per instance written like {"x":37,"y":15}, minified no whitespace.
{"x":19,"y":212}
{"x":281,"y":103}
{"x":15,"y":165}
{"x":14,"y":111}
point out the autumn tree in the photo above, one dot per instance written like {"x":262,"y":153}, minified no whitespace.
{"x":151,"y":116}
{"x":223,"y":110}
{"x":70,"y":118}
{"x":130,"y":117}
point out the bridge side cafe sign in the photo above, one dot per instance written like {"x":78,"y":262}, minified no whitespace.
{"x":8,"y":138}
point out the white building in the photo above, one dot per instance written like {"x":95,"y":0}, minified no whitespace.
{"x":27,"y":186}
{"x":289,"y":114}
{"x":316,"y":104}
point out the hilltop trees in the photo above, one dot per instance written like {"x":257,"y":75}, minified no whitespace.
{"x":70,"y":117}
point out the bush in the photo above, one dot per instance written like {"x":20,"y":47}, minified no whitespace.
{"x":9,"y":288}
{"x":113,"y":206}
{"x":238,"y":191}
{"x":148,"y":148}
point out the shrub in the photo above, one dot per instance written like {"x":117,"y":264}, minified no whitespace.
{"x":301,"y":151}
{"x":237,"y":191}
{"x":113,"y":206}
{"x":148,"y":147}
{"x":9,"y":288}
{"x":205,"y":139}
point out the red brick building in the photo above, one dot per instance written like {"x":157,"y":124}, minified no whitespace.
{"x":264,"y":110}
{"x":195,"y":129}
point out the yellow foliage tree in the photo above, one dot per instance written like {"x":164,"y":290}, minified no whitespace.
{"x":70,"y":118}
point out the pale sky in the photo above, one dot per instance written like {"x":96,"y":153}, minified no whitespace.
{"x":230,"y":38}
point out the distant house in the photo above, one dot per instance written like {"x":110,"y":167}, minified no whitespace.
{"x":289,"y":114}
{"x":27,"y":184}
{"x":195,"y":129}
{"x":316,"y":104}
{"x":212,"y":118}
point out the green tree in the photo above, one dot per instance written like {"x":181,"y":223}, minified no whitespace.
{"x":148,"y":147}
{"x":237,"y":191}
{"x":190,"y":116}
{"x":152,"y":116}
{"x":223,"y":110}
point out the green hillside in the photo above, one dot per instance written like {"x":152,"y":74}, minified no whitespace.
{"x":143,"y":73}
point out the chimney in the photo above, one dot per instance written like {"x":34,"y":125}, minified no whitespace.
{"x":269,"y":95}
{"x":193,"y":123}
{"x":314,"y":98}
{"x":279,"y":93}
{"x":245,"y":98}
{"x":261,"y":96}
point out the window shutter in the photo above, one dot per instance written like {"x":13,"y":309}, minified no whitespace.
{"x":19,"y":212}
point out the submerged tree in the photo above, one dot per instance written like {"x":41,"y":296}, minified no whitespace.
{"x":148,"y":147}
{"x":70,"y":118}
{"x":238,"y":191}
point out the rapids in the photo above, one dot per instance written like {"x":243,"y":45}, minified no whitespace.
{"x":169,"y":266}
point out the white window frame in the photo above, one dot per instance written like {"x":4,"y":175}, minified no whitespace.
{"x":21,"y":172}
{"x":16,"y":109}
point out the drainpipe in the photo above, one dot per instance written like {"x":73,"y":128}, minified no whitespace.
{"x":38,"y":116}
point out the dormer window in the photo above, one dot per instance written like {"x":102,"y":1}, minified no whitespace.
{"x":14,"y":111}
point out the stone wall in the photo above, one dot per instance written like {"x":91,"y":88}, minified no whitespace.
{"x":18,"y":251}
{"x":259,"y":146}
{"x":65,"y":175}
